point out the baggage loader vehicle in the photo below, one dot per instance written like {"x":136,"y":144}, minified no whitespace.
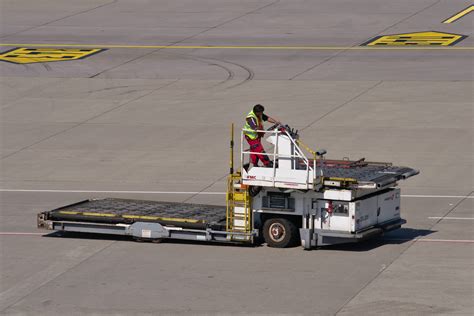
{"x":304,"y":199}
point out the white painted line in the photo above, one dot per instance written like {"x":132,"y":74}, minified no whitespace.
{"x":440,"y":196}
{"x":30,"y":283}
{"x":200,"y":193}
{"x":113,"y":192}
{"x":459,"y":218}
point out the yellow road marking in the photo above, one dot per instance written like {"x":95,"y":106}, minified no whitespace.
{"x":86,"y":213}
{"x":68,"y":212}
{"x":430,"y":38}
{"x":237,"y":47}
{"x":146,"y":217}
{"x":23,"y":55}
{"x":459,"y":15}
{"x":169,"y":219}
{"x":98,"y":214}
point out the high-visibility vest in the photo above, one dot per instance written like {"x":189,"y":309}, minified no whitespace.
{"x":248,"y":131}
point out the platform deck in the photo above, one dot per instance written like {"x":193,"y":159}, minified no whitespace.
{"x":378,"y":173}
{"x":128,"y":211}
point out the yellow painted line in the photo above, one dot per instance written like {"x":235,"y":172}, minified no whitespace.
{"x":459,"y":15}
{"x":141,"y":217}
{"x":98,"y":214}
{"x":168,"y":219}
{"x":236,"y":47}
{"x":340,"y":179}
{"x":68,"y":212}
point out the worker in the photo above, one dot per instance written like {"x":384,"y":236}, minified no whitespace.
{"x":253,"y":123}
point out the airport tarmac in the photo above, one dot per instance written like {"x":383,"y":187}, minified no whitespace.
{"x":148,"y":115}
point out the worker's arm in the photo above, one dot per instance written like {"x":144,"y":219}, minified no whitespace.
{"x":252,"y":123}
{"x":272,"y":120}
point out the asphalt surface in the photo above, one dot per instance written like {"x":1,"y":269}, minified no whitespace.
{"x":139,"y":120}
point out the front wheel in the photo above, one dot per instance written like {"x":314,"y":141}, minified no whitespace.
{"x":280,"y":233}
{"x":254,"y":190}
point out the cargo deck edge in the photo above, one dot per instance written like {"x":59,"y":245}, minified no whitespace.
{"x":143,"y":219}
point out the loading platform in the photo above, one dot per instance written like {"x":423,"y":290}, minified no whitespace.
{"x":362,"y":174}
{"x":150,"y":220}
{"x":124,"y":211}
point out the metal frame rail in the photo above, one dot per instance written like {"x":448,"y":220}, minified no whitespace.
{"x":345,"y":174}
{"x":142,"y":230}
{"x":298,"y":154}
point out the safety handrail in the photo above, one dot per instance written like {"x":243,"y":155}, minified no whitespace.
{"x":300,"y":154}
{"x":315,"y":154}
{"x":298,"y":151}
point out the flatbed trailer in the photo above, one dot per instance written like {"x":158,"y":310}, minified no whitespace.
{"x":311,"y":202}
{"x":152,"y":220}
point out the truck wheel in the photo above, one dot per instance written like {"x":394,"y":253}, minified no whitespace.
{"x":254,"y":191}
{"x":280,"y":233}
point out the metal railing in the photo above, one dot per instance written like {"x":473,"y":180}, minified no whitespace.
{"x":298,"y":153}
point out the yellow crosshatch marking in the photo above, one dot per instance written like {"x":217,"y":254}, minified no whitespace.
{"x":42,"y":55}
{"x":430,"y":38}
{"x":459,"y":15}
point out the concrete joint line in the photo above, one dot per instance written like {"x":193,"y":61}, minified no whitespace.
{"x":452,"y":209}
{"x":342,"y":105}
{"x":225,"y":22}
{"x":60,"y":19}
{"x":70,"y":260}
{"x":182,"y":40}
{"x":87,"y":120}
{"x":207,"y":187}
{"x":403,"y":20}
{"x":390,"y":264}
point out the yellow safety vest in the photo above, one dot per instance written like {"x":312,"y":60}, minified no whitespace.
{"x":248,"y":131}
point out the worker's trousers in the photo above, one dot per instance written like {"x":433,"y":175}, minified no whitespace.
{"x":257,"y":148}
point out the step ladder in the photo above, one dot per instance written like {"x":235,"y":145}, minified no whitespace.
{"x":239,"y":210}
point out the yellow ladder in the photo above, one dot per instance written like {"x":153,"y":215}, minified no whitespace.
{"x":239,"y":211}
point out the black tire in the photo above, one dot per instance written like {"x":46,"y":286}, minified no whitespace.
{"x":280,"y":233}
{"x":254,"y":191}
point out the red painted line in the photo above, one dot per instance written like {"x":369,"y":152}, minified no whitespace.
{"x":447,"y":240}
{"x":468,"y":241}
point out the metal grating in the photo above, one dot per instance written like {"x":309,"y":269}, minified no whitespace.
{"x":116,"y":209}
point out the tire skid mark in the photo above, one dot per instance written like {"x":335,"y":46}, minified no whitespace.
{"x":230,"y":73}
{"x":221,"y":63}
{"x":250,"y":76}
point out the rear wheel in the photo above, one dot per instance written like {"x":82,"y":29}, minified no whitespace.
{"x":280,"y":233}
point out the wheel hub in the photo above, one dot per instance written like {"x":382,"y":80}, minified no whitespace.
{"x":277,"y":232}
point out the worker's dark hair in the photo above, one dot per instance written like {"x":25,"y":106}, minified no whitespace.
{"x":258,"y":108}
